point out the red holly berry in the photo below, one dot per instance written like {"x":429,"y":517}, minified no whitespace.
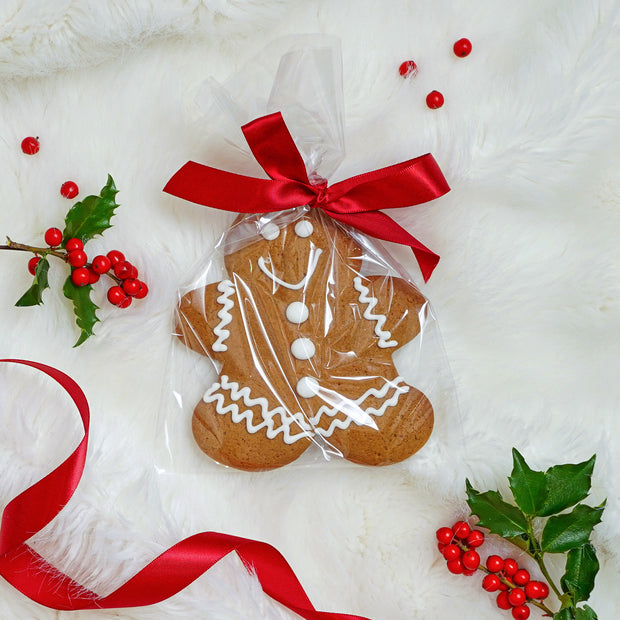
{"x":503,"y":586}
{"x":80,"y":276}
{"x":444,"y":535}
{"x":521,"y":612}
{"x":93,"y":276}
{"x":69,"y":189}
{"x":521,"y":577}
{"x":143,"y":292}
{"x":461,"y":530}
{"x":101,"y":264}
{"x":468,"y":572}
{"x":471,"y":560}
{"x":462,"y":47}
{"x":53,"y":237}
{"x":77,"y":258}
{"x":74,"y":244}
{"x":407,"y":69}
{"x":510,"y":567}
{"x":475,"y":539}
{"x":30,"y":145}
{"x":533,"y":589}
{"x":125,"y":303}
{"x":455,"y":566}
{"x":115,"y":257}
{"x":116,"y":295}
{"x":495,"y":563}
{"x":123,"y":270}
{"x":544,"y":590}
{"x":451,"y":552}
{"x":502,"y":601}
{"x":491,"y":583}
{"x":131,"y":286}
{"x":434,"y":100}
{"x":516,"y":597}
{"x":133,"y":273}
{"x":32,"y":264}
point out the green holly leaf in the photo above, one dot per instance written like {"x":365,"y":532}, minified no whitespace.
{"x":495,"y":514}
{"x":83,"y":307}
{"x":570,"y":531}
{"x":91,"y":217}
{"x":34,"y":295}
{"x":566,"y":486}
{"x":563,"y":614}
{"x":528,"y":487}
{"x":585,"y":613}
{"x":581,"y":568}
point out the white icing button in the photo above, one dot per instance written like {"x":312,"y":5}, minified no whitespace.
{"x":270,"y":231}
{"x":297,"y":312}
{"x":303,"y":348}
{"x":307,"y":387}
{"x":304,"y":228}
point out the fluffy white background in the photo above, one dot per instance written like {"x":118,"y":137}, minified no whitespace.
{"x":527,"y":292}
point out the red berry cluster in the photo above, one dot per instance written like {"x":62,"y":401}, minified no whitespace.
{"x":458,"y":546}
{"x":84,"y":273}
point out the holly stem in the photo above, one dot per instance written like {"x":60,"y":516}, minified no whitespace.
{"x":537,"y":555}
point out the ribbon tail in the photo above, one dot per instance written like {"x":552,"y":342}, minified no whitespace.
{"x":381,"y":226}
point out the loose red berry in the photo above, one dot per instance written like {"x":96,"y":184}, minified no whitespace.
{"x":101,"y":264}
{"x":434,"y":100}
{"x":408,"y":69}
{"x":516,"y":597}
{"x":544,"y":590}
{"x":461,"y":530}
{"x":77,"y":258}
{"x":522,"y":612}
{"x":69,"y":189}
{"x":30,"y":145}
{"x":74,"y":244}
{"x":131,"y":286}
{"x":53,"y":237}
{"x":444,"y":535}
{"x":451,"y":552}
{"x":510,"y":567}
{"x":122,"y":270}
{"x":80,"y":276}
{"x":495,"y":563}
{"x":143,"y":292}
{"x":93,"y":276}
{"x":116,"y":295}
{"x":502,"y":601}
{"x":471,"y":560}
{"x":491,"y":583}
{"x":32,"y":264}
{"x":455,"y":566}
{"x":115,"y":257}
{"x":462,"y":47}
{"x":475,"y":539}
{"x":521,"y":577}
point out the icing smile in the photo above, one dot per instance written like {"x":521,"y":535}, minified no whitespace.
{"x":314,"y":259}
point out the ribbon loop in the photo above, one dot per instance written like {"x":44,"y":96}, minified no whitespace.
{"x":350,"y":202}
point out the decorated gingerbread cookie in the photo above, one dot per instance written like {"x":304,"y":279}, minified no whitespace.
{"x":304,"y":341}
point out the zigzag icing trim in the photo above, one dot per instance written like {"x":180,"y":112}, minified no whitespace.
{"x":227,"y":288}
{"x":364,"y":298}
{"x":290,"y":422}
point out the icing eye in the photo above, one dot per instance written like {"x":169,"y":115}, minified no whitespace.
{"x":270,"y":231}
{"x":304,"y":228}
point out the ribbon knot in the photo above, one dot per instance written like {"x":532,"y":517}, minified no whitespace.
{"x":406,"y":184}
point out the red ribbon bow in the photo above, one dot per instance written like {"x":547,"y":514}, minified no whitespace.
{"x":355,"y":201}
{"x":166,"y":575}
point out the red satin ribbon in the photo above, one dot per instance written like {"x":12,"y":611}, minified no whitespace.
{"x":166,"y":575}
{"x":355,"y":201}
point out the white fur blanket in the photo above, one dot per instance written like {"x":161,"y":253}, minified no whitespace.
{"x":527,"y":292}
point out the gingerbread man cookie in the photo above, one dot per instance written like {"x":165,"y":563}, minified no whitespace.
{"x":305,"y":341}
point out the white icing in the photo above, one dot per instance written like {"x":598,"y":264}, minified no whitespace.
{"x":297,"y":312}
{"x":306,"y":387}
{"x":270,"y":231}
{"x":364,"y":298}
{"x":314,"y":259}
{"x":227,"y":288}
{"x":303,"y":348}
{"x":304,"y":228}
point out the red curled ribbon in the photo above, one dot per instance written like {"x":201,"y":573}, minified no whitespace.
{"x":355,"y":201}
{"x":166,"y":575}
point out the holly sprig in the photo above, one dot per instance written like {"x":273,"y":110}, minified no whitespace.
{"x":548,"y":517}
{"x":85,"y":220}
